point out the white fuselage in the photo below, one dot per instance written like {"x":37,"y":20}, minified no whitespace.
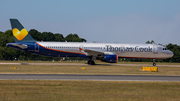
{"x":151,"y":51}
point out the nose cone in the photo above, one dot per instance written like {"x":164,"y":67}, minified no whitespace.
{"x":170,"y":54}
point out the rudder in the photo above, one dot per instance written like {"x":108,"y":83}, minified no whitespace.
{"x":19,"y":32}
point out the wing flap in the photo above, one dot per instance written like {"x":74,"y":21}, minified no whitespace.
{"x":93,"y":52}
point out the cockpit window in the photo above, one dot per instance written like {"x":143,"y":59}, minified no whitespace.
{"x":164,"y":48}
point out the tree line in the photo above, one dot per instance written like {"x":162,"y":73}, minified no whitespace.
{"x":49,"y":36}
{"x":7,"y":53}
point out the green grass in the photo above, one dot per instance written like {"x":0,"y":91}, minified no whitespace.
{"x":85,"y":61}
{"x":102,"y":68}
{"x":77,"y":69}
{"x":56,"y":90}
{"x":51,"y":90}
{"x":73,"y":61}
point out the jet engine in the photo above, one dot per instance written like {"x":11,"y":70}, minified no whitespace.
{"x":109,"y":58}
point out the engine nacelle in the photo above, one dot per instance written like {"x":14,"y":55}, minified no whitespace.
{"x":110,"y":58}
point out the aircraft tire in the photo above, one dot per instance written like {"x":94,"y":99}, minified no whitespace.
{"x":92,"y":62}
{"x":154,"y":64}
{"x":89,"y":62}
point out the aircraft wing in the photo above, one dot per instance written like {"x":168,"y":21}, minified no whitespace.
{"x":90,"y":52}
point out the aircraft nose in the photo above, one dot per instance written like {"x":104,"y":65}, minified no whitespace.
{"x":170,"y":53}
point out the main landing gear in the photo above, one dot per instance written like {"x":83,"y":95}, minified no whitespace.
{"x":91,"y":62}
{"x":154,"y":64}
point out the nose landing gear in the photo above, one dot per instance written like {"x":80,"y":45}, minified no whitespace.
{"x":154,"y":64}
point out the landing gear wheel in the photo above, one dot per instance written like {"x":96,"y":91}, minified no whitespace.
{"x":154,"y":64}
{"x":91,"y":62}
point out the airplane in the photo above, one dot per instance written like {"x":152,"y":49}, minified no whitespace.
{"x":106,"y":52}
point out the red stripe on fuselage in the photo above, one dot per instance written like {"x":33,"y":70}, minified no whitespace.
{"x":60,"y":50}
{"x":84,"y":54}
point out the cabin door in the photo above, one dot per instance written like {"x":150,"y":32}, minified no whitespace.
{"x":155,"y":50}
{"x":36,"y":48}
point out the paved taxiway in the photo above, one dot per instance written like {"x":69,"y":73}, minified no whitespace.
{"x":1,"y":63}
{"x":87,"y":77}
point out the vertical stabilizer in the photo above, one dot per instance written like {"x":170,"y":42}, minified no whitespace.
{"x":19,"y":32}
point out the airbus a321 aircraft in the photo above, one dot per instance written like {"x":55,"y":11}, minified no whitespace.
{"x":106,"y":52}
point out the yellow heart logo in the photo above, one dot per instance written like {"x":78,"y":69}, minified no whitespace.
{"x":19,"y":34}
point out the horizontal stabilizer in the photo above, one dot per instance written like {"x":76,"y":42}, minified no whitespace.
{"x":20,"y":46}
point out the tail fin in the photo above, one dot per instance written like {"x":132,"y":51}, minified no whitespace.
{"x":19,"y":32}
